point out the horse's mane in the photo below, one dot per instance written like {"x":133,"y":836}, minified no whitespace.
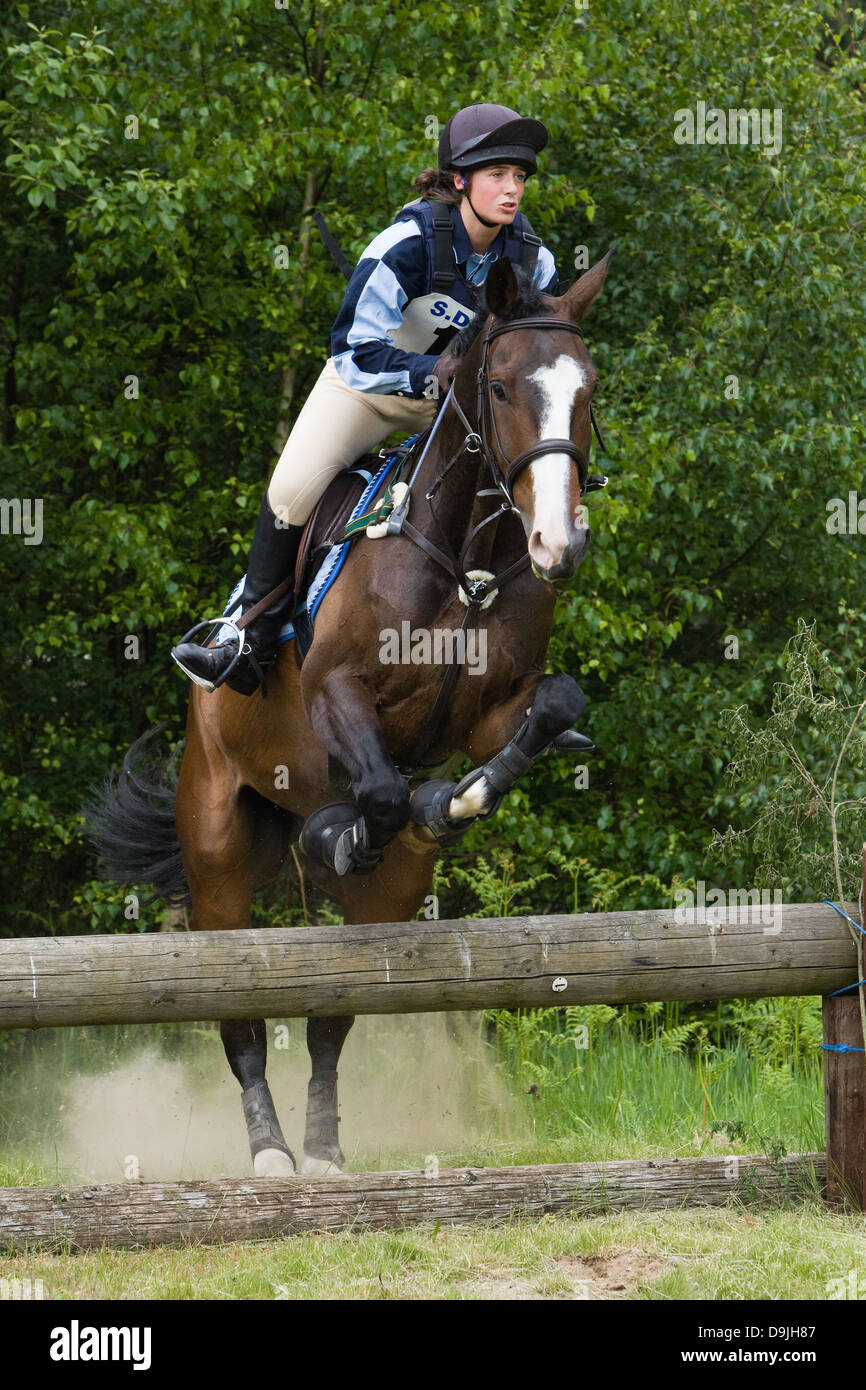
{"x":532,"y":301}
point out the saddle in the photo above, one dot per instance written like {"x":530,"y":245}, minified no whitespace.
{"x":327,"y":528}
{"x":328,"y":520}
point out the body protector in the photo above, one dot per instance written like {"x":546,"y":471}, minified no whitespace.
{"x":407,"y":297}
{"x":432,"y":320}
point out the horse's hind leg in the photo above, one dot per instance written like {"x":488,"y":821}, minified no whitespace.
{"x":323,"y":1156}
{"x":246,"y":1048}
{"x":392,"y":893}
{"x":232,"y":842}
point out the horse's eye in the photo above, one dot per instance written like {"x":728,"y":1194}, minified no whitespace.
{"x":499,"y":390}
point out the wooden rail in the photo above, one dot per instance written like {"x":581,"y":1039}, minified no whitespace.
{"x":405,"y":967}
{"x":142,"y":1215}
{"x":408,"y":967}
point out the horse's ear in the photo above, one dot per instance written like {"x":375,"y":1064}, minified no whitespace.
{"x":578,"y":299}
{"x":501,"y":290}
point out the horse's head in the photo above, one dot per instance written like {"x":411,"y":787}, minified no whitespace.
{"x":538,"y":386}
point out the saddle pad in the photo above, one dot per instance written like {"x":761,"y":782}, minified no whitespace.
{"x":330,"y":566}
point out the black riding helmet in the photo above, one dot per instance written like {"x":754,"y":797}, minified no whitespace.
{"x":486,"y":134}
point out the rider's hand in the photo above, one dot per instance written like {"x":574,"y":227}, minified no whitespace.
{"x":444,"y":370}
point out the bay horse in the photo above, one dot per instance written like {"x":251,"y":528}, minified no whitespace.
{"x":256,"y":771}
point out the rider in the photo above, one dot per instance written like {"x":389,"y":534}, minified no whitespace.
{"x":414,"y":287}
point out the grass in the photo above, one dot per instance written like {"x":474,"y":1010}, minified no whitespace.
{"x":545,"y":1093}
{"x":724,"y":1253}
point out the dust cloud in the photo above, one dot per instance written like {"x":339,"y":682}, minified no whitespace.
{"x":409,"y":1085}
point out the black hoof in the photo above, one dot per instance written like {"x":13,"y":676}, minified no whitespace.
{"x":336,"y":837}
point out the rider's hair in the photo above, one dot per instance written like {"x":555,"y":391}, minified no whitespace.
{"x":439,"y":184}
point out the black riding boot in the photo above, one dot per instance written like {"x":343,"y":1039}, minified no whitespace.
{"x":272,"y":557}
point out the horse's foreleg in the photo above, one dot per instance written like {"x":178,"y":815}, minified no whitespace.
{"x":553,"y":703}
{"x":343,"y":715}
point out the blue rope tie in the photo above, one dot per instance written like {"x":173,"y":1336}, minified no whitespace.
{"x":844,"y":989}
{"x":843,"y":1047}
{"x":843,"y":914}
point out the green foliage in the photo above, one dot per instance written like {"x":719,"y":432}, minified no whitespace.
{"x":593,"y":1074}
{"x":804,"y":769}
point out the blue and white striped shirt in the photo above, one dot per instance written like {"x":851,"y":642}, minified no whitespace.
{"x":392,"y":326}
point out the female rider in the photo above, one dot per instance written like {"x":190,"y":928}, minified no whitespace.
{"x":403,"y":304}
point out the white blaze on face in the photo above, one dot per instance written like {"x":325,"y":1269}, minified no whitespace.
{"x":553,"y":527}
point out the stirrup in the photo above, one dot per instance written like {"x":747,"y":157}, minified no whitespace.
{"x":237,"y":633}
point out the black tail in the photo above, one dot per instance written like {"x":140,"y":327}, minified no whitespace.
{"x":131,"y":823}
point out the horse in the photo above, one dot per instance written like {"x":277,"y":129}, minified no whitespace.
{"x":258,"y":772}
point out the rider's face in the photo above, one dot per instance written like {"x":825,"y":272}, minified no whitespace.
{"x":496,"y":192}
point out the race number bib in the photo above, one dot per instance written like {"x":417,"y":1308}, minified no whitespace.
{"x":429,"y":324}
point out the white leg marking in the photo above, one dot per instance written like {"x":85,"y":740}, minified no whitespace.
{"x":273,"y":1163}
{"x":554,"y":528}
{"x":320,"y":1168}
{"x":475,"y":801}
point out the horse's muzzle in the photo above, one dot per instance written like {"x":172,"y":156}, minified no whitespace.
{"x":568,"y":562}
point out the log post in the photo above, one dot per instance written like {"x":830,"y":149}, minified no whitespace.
{"x":845,"y":1095}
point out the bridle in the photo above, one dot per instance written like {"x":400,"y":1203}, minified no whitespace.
{"x":504,"y":472}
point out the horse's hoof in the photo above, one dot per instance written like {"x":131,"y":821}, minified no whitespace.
{"x":572,"y":742}
{"x":320,"y":1168}
{"x":273,"y":1163}
{"x":335,"y":836}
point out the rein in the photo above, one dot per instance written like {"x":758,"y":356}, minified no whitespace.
{"x":504,"y":471}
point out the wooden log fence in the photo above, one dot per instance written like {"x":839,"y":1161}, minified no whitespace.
{"x":139,"y":1215}
{"x":516,"y":962}
{"x":410,"y":967}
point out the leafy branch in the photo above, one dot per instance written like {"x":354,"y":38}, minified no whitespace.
{"x":802,"y":767}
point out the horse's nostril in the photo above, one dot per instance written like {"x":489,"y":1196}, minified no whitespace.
{"x":544,"y":555}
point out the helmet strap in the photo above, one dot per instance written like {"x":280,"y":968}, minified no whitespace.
{"x":482,"y":220}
